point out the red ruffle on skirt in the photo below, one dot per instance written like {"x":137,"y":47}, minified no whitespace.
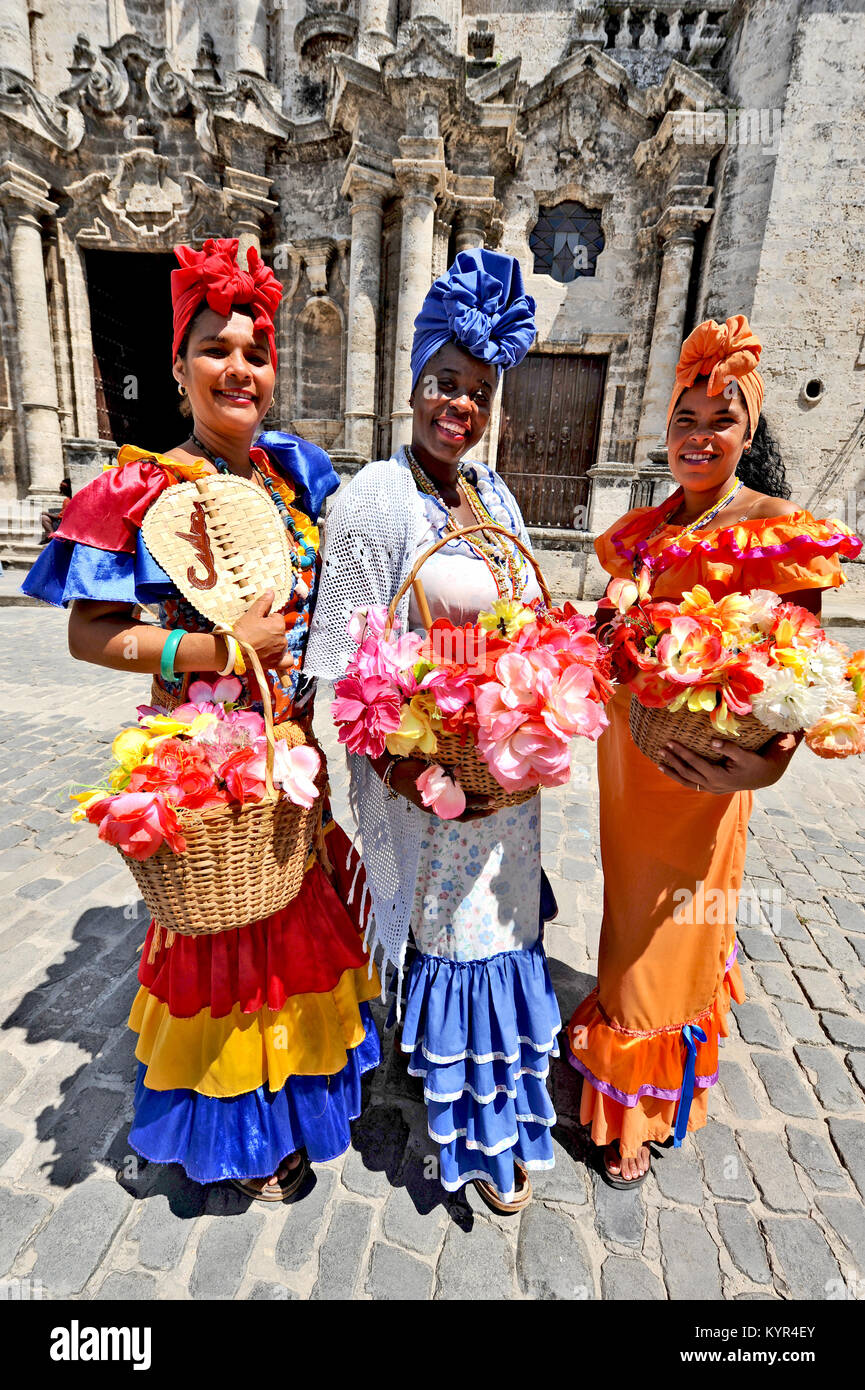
{"x":304,"y":949}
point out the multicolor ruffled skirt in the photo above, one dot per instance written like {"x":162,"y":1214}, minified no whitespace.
{"x":252,"y":1042}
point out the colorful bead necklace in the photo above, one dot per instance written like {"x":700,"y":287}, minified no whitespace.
{"x":697,"y":525}
{"x":501,"y":561}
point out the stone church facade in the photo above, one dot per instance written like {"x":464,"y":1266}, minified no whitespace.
{"x":650,"y":165}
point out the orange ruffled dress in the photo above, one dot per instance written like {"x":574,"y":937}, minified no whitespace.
{"x":656,"y":974}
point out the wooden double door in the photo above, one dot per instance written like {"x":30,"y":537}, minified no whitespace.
{"x":548,"y":440}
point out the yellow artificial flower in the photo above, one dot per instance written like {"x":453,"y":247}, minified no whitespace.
{"x":415,"y":733}
{"x":130,"y":747}
{"x":508,"y":615}
{"x":120,"y":777}
{"x":86,"y":799}
{"x":698,"y":698}
{"x":163,"y":726}
{"x":724,"y":721}
{"x":790,"y":656}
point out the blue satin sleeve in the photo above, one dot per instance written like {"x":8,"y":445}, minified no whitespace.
{"x":67,"y":570}
{"x":306,"y":466}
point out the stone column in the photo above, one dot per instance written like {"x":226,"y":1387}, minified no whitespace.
{"x":675,"y":229}
{"x":366,"y":191}
{"x":15,"y":50}
{"x":80,"y":336}
{"x":420,"y":179}
{"x":374,"y":31}
{"x":445,"y":11}
{"x":24,"y":197}
{"x":611,"y":491}
{"x":250,"y":37}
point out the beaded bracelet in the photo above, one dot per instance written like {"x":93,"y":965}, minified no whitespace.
{"x":386,"y":776}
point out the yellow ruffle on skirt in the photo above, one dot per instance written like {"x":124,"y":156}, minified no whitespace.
{"x":310,"y":1035}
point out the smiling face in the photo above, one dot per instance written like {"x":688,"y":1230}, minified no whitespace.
{"x":451,"y":404}
{"x":228,"y":374}
{"x":706,"y":437}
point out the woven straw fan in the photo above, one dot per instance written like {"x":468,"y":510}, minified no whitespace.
{"x":221,"y":541}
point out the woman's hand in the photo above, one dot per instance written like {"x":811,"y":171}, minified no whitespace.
{"x":264,"y":631}
{"x":403,"y":780}
{"x":739,"y":770}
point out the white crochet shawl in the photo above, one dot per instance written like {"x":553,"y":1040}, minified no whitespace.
{"x":371,"y":536}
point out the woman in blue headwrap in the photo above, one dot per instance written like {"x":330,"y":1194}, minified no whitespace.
{"x":480,"y":1015}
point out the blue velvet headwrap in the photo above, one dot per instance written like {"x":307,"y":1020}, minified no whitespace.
{"x":479,"y":303}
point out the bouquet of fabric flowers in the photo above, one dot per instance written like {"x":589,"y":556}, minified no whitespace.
{"x":750,"y":664}
{"x":204,"y":754}
{"x":492,"y":706}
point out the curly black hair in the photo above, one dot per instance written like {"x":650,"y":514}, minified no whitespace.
{"x":762,"y":467}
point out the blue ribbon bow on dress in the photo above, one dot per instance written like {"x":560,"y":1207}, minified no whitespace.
{"x":691,"y":1036}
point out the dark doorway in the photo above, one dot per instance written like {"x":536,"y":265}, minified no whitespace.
{"x":551,"y":418}
{"x":130,"y":319}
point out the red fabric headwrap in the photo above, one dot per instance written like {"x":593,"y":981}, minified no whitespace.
{"x":213,"y":274}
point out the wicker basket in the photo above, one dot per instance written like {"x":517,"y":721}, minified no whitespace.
{"x":241,"y":863}
{"x":459,"y":753}
{"x":652,"y":728}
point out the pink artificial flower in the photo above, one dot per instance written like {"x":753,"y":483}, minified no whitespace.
{"x":529,"y":755}
{"x":137,"y":823}
{"x":390,"y":660}
{"x":453,"y":689}
{"x":366,"y":622}
{"x":441,"y":793}
{"x":224,"y":691}
{"x":367,"y":708}
{"x":295,"y":770}
{"x":238,"y":729}
{"x":570,"y":709}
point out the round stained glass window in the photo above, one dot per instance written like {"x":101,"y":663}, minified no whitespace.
{"x":566,"y":241}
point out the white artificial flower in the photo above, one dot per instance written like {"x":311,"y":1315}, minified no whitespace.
{"x":787,"y":704}
{"x":826,"y":664}
{"x":764,"y":603}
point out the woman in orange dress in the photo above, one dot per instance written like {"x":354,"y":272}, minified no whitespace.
{"x":664,"y":984}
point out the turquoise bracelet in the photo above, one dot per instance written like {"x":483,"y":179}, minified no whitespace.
{"x":169,"y":651}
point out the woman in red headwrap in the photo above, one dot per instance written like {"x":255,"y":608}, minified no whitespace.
{"x":664,"y":987}
{"x":252,"y":1041}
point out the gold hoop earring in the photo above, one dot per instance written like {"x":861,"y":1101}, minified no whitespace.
{"x":181,"y":389}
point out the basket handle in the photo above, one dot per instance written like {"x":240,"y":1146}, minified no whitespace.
{"x":455,"y":535}
{"x":251,"y":656}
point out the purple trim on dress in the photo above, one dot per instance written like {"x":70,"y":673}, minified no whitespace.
{"x":843,"y":542}
{"x":625,"y":1097}
{"x":731,"y":959}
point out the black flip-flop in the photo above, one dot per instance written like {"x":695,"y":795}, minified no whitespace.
{"x":612,"y":1179}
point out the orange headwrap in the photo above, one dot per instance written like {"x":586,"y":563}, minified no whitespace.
{"x":213,"y":274}
{"x":723,"y":353}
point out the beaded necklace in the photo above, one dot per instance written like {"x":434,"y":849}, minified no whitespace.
{"x":702,"y":520}
{"x":306,"y":559}
{"x":501,"y":562}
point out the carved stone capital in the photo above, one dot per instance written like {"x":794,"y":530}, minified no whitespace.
{"x":421,"y":171}
{"x":679,"y":223}
{"x":366,"y":188}
{"x":23,"y":193}
{"x":246,"y":199}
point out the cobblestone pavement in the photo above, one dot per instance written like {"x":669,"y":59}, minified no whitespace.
{"x":766,"y":1202}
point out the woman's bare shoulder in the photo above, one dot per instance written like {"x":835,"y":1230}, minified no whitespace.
{"x":763,"y":508}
